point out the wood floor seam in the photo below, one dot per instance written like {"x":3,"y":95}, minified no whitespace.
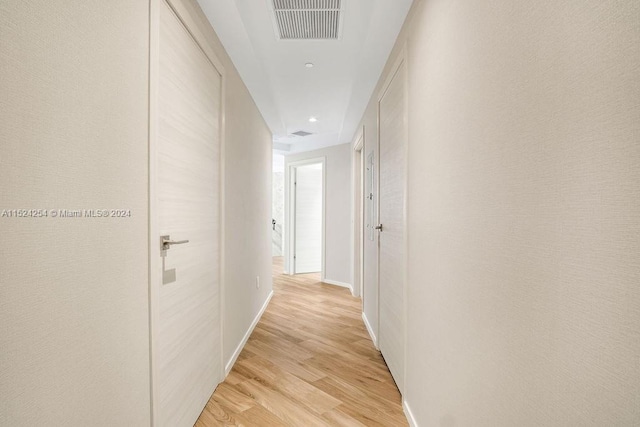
{"x":309,"y":362}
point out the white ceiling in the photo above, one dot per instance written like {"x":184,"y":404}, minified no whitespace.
{"x":335,"y":91}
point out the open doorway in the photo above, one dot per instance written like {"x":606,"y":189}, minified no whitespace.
{"x":306,"y":183}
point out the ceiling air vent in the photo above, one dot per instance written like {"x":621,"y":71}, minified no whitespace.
{"x":301,"y":133}
{"x":307,"y":19}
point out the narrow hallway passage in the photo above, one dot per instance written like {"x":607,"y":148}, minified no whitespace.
{"x":309,"y":362}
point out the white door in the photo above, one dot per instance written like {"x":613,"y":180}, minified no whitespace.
{"x":308,"y":218}
{"x":187,"y":351}
{"x":393,"y":134}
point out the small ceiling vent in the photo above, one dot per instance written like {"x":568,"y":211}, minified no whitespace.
{"x":307,"y":19}
{"x":301,"y":133}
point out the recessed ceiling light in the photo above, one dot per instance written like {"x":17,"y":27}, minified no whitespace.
{"x":309,"y":65}
{"x":313,"y":119}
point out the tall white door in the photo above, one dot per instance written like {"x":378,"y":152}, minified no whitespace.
{"x":393,"y":136}
{"x":308,"y":218}
{"x":187,"y":351}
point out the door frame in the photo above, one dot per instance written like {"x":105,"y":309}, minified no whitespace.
{"x":289,"y":210}
{"x":189,"y":19}
{"x":393,"y":72}
{"x":358,"y":215}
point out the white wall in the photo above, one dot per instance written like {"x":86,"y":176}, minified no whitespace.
{"x":74,"y":341}
{"x":337,"y":209}
{"x":74,"y":135}
{"x":247,"y":202}
{"x":523,"y":213}
{"x":277,"y":210}
{"x":248,"y":206}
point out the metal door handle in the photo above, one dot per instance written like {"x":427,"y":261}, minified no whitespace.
{"x":378,"y":227}
{"x":166,"y":242}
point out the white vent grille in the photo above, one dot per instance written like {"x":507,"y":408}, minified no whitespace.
{"x":308,"y":19}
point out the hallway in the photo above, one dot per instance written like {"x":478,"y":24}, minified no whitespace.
{"x":309,"y":362}
{"x":477,"y":216}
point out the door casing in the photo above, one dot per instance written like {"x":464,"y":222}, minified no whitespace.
{"x":289,"y":238}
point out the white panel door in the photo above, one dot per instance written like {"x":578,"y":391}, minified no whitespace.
{"x":308,"y":218}
{"x":188,"y":347}
{"x":393,"y":134}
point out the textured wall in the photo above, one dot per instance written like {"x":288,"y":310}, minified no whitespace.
{"x":73,"y":291}
{"x":337,"y":209}
{"x":277,"y":210}
{"x":247,"y":199}
{"x":247,"y":202}
{"x":524,"y":213}
{"x":74,"y":135}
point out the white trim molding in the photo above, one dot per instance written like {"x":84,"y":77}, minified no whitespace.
{"x":370,"y":330}
{"x":236,"y":353}
{"x":336,"y":283}
{"x":407,"y":412}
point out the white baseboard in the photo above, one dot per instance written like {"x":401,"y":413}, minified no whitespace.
{"x":407,"y":411}
{"x":370,"y":330}
{"x":336,"y":283}
{"x":236,"y":353}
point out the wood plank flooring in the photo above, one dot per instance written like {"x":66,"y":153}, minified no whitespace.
{"x":309,"y":362}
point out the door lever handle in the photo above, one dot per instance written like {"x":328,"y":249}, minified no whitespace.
{"x":166,"y":242}
{"x":378,"y":227}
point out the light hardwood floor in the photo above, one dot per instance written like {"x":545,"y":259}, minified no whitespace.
{"x":309,"y":362}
